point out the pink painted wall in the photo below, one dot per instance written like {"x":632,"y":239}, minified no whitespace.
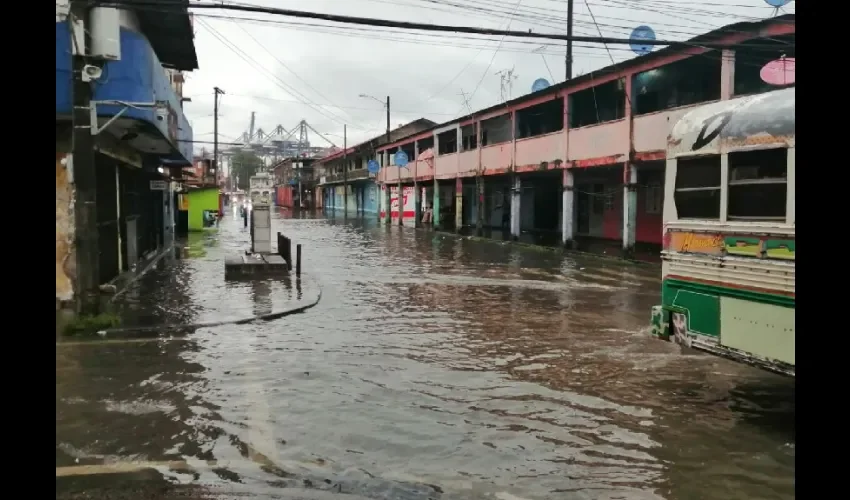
{"x":446,"y":166}
{"x":651,"y":130}
{"x":422,"y":169}
{"x":595,"y":141}
{"x":467,"y":163}
{"x":534,"y":150}
{"x":497,"y":156}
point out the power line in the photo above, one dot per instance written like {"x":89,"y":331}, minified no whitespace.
{"x":385,"y":23}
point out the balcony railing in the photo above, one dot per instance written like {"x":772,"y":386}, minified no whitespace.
{"x":353,"y":175}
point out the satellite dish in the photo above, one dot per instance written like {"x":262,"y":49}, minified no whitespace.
{"x":638,"y":35}
{"x":539,"y":84}
{"x":777,"y":3}
{"x":780,"y":71}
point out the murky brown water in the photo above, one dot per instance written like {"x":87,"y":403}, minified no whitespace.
{"x":433,"y":367}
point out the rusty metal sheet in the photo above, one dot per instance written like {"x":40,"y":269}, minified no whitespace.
{"x":737,"y":124}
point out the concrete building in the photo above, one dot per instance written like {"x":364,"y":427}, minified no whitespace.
{"x":295,"y":181}
{"x":114,"y":203}
{"x":345,"y":170}
{"x":581,"y":161}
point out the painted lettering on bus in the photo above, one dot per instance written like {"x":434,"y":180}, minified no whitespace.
{"x":697,"y":243}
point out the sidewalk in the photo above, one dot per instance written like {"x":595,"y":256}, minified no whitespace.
{"x":188,"y":286}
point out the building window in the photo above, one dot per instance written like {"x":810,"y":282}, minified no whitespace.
{"x":758,"y":184}
{"x":654,"y":197}
{"x":690,"y":81}
{"x":697,"y":194}
{"x":603,"y":103}
{"x":447,"y":142}
{"x":752,"y":56}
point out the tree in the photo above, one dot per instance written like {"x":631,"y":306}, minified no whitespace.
{"x":243,"y":165}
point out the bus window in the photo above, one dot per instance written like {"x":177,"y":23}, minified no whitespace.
{"x":697,"y":193}
{"x":758,"y":184}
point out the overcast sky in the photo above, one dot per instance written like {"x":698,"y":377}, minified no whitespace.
{"x":288,"y":69}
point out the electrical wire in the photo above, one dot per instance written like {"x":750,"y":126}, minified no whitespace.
{"x":385,"y":23}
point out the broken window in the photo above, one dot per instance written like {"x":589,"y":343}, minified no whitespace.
{"x":753,"y":55}
{"x":391,"y":156}
{"x":697,"y":194}
{"x":447,"y":142}
{"x":426,"y":144}
{"x":496,"y":130}
{"x":599,"y":104}
{"x":410,"y":151}
{"x":468,"y":137}
{"x":682,"y":83}
{"x":758,"y":184}
{"x":541,"y":119}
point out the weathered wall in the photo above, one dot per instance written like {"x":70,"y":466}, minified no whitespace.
{"x":65,"y":255}
{"x":200,"y":200}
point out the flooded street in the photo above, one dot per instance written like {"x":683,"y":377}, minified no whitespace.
{"x":433,"y":367}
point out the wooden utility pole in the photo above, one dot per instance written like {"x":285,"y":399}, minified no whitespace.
{"x":345,"y":169}
{"x":569,"y":58}
{"x":216,"y":92}
{"x":85,"y":179}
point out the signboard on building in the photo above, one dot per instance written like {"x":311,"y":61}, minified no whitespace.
{"x":159,"y":185}
{"x":407,"y":202}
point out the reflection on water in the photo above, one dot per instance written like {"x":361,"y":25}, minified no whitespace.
{"x":434,"y":367}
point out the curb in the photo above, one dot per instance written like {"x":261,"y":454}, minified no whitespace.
{"x":207,"y":324}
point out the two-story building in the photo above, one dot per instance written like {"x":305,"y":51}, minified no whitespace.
{"x":346,"y":171}
{"x":295,"y":182}
{"x":582,"y":160}
{"x":121,"y":71}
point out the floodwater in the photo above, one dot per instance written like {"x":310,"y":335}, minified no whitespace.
{"x":433,"y":367}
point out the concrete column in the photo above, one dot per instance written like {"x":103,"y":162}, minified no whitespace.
{"x":629,"y":209}
{"x":727,"y":74}
{"x":387,"y":191}
{"x":417,"y":214}
{"x":435,"y":205}
{"x":479,"y":223}
{"x":458,"y":203}
{"x":568,"y":209}
{"x":516,"y":195}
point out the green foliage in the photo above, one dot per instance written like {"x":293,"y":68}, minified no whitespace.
{"x":244,"y":164}
{"x":90,"y":325}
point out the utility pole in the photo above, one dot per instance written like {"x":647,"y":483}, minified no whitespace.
{"x":216,"y":92}
{"x":389,"y":196}
{"x":569,"y":58}
{"x":85,"y":180}
{"x":345,"y":169}
{"x":400,"y":197}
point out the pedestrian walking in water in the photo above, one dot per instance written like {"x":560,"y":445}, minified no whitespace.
{"x":244,"y":216}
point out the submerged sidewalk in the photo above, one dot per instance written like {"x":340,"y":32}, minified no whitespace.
{"x":189,"y":287}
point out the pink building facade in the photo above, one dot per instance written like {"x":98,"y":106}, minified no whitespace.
{"x":585,"y":158}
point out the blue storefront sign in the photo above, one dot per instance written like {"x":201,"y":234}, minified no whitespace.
{"x":137,"y":77}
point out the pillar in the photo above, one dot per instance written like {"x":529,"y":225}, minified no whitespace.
{"x":435,"y":206}
{"x":727,"y":74}
{"x":387,"y":191}
{"x":479,"y":223}
{"x":417,"y":214}
{"x":629,"y":209}
{"x":568,"y":209}
{"x":458,"y":204}
{"x":516,"y":194}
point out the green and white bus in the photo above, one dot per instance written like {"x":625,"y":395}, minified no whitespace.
{"x":729,"y":250}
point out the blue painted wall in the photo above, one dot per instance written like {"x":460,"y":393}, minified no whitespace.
{"x":370,"y":192}
{"x":138,"y":77}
